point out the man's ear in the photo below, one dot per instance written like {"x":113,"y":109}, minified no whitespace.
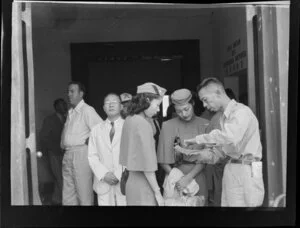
{"x":218,"y":93}
{"x":81,"y":94}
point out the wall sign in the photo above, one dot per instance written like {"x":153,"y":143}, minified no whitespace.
{"x":237,"y":59}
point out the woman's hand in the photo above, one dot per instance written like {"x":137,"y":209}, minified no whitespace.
{"x":183,"y":183}
{"x":188,"y":142}
{"x":160,"y":200}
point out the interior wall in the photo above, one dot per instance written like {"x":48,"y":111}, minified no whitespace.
{"x":52,"y":72}
{"x":51,"y":43}
{"x":230,"y":46}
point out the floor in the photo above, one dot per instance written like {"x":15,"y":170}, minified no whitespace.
{"x":46,"y":191}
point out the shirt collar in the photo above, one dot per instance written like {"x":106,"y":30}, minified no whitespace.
{"x":115,"y":122}
{"x":79,"y":106}
{"x":229,"y":107}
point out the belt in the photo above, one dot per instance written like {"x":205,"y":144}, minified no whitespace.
{"x":241,"y":161}
{"x":237,"y":161}
{"x":188,"y":162}
{"x":74,"y":147}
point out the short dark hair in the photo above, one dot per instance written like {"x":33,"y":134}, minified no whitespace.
{"x":57,"y":101}
{"x":80,"y":86}
{"x":141,"y":102}
{"x":230,"y":93}
{"x":112,"y":93}
{"x":207,"y":81}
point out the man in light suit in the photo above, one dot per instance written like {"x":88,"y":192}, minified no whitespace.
{"x":103,"y":154}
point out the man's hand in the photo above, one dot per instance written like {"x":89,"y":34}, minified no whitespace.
{"x":110,"y":178}
{"x":183,"y":183}
{"x":188,"y":142}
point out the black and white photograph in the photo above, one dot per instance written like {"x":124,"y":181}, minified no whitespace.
{"x":189,"y":108}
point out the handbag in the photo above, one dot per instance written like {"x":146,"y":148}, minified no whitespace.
{"x":124,"y":177}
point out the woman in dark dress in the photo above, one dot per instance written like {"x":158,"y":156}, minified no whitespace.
{"x":137,"y":151}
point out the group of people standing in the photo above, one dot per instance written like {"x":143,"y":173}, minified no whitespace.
{"x":95,"y":152}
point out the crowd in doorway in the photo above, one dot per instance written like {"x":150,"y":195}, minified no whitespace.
{"x":137,"y":157}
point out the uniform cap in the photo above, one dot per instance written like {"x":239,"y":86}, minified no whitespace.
{"x":181,"y":96}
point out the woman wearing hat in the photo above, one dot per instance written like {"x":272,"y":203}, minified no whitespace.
{"x":137,"y":151}
{"x":185,"y":125}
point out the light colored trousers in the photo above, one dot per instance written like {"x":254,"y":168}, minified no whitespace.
{"x":242,"y":186}
{"x":77,"y":177}
{"x":112,"y":198}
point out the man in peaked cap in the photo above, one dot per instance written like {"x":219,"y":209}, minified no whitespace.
{"x":125,"y":99}
{"x":185,"y":125}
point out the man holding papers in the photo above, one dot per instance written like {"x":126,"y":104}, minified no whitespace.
{"x":242,"y":184}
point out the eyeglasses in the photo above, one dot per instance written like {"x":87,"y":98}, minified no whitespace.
{"x":111,"y":103}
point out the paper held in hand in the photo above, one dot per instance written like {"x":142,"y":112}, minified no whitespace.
{"x":195,"y":149}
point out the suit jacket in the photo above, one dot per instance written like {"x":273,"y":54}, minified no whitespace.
{"x":103,"y":155}
{"x":50,"y":135}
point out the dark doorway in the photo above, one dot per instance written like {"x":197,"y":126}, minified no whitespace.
{"x":122,"y":66}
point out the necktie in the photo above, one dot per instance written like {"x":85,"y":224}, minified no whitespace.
{"x":112,"y":131}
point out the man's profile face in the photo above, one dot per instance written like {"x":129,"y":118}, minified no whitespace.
{"x":74,"y":94}
{"x":210,"y":99}
{"x":185,"y":112}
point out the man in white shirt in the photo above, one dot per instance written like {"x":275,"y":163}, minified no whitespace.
{"x":242,"y":184}
{"x":103,"y":154}
{"x":77,"y":175}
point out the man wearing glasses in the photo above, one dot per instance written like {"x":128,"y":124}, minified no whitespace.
{"x":103,"y":154}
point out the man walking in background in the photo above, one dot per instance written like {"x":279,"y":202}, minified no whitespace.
{"x":50,"y":137}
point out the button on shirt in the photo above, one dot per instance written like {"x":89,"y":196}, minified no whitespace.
{"x":79,"y":123}
{"x":239,"y":132}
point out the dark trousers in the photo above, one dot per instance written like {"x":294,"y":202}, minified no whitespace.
{"x":56,"y":168}
{"x":160,"y":177}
